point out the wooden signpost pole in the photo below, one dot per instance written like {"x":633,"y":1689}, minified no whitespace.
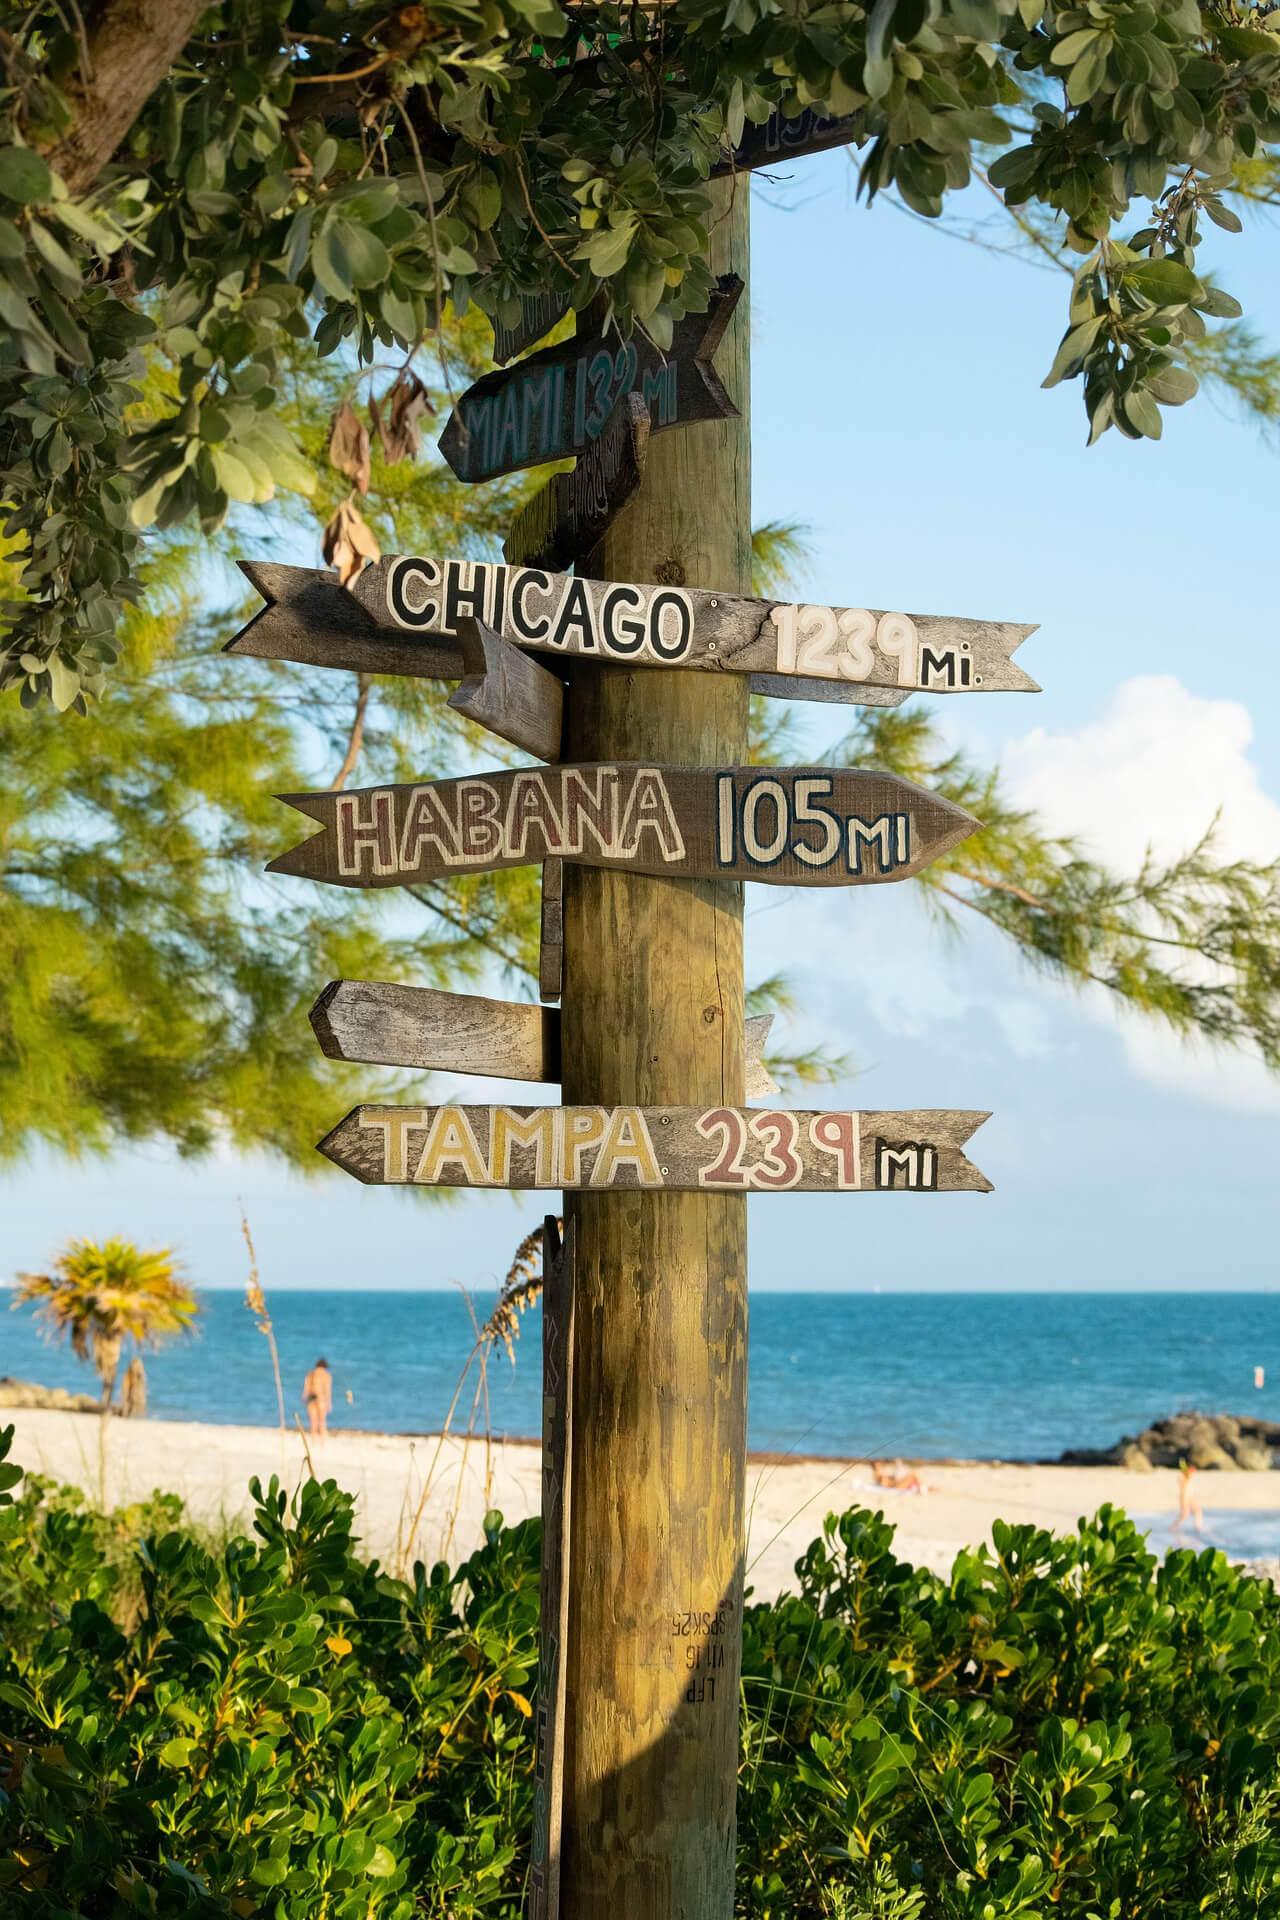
{"x":653,"y":1013}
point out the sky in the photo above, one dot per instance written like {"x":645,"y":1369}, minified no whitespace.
{"x":897,"y":414}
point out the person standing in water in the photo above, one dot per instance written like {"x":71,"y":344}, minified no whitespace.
{"x":1188,"y":1500}
{"x":317,"y":1397}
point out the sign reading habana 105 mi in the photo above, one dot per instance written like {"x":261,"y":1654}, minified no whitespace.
{"x":663,"y":626}
{"x":796,"y":826}
{"x":684,"y":1149}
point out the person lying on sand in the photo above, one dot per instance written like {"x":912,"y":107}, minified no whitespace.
{"x":898,"y":1477}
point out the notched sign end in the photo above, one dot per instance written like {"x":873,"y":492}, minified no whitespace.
{"x":341,"y":1137}
{"x":321,"y":1026}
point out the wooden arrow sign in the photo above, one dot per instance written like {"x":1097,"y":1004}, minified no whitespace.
{"x":379,"y":1024}
{"x":557,"y":401}
{"x":574,"y":510}
{"x":849,"y":648}
{"x":681,"y":1149}
{"x":312,"y":619}
{"x":787,"y":826}
{"x":507,"y":692}
{"x":781,"y":138}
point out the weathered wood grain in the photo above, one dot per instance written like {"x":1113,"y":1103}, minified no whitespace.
{"x":379,"y":1023}
{"x":551,"y":931}
{"x":571,"y":514}
{"x":557,"y":1460}
{"x":674,"y":626}
{"x":507,"y":692}
{"x":663,"y":1149}
{"x":312,"y":620}
{"x":558,"y":400}
{"x":785,"y":826}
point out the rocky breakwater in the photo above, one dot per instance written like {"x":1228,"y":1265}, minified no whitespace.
{"x":1230,"y":1442}
{"x":26,"y":1393}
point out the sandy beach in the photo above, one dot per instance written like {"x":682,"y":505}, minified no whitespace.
{"x":210,"y":1466}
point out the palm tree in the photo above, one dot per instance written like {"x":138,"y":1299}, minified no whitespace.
{"x":99,"y":1297}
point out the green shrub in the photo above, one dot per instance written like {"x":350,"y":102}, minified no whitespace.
{"x":277,"y":1728}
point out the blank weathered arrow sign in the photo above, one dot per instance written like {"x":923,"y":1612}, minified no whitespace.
{"x":380,"y":1024}
{"x":314,"y":620}
{"x":787,"y":826}
{"x":557,"y":401}
{"x":507,"y":692}
{"x":684,"y":1149}
{"x":574,"y":511}
{"x":851,"y":648}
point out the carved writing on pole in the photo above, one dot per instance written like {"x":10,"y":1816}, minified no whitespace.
{"x":786,"y":826}
{"x":680,"y":1149}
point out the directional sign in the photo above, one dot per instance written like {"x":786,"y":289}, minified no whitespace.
{"x":380,"y":1024}
{"x":311,"y":618}
{"x":780,"y":138}
{"x":851,"y":648}
{"x":507,"y":692}
{"x":682,"y":1149}
{"x":558,"y":401}
{"x":539,"y":312}
{"x":564,"y":521}
{"x":787,"y":826}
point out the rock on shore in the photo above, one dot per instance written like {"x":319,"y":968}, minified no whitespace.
{"x":1228,"y":1441}
{"x":26,"y":1393}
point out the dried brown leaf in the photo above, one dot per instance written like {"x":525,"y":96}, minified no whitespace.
{"x":349,"y":445}
{"x":400,"y":431}
{"x":348,"y":542}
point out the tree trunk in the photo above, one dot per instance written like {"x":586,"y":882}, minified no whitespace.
{"x":652,"y":1014}
{"x":131,"y":48}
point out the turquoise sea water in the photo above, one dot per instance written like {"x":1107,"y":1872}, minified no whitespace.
{"x":1005,"y":1376}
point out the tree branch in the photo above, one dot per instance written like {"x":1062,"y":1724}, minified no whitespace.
{"x":133,"y":46}
{"x":340,"y":778}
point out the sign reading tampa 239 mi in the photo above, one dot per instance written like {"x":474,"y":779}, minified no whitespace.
{"x":805,"y":826}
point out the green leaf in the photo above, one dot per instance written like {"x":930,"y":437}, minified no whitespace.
{"x":1142,"y":413}
{"x":367,"y":260}
{"x":24,"y":176}
{"x":272,"y":1871}
{"x":233,"y":477}
{"x":330,"y":263}
{"x":1166,"y":282}
{"x":55,"y":257}
{"x":382,"y":1865}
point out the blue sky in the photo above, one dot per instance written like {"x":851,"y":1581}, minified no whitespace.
{"x":897,"y":413}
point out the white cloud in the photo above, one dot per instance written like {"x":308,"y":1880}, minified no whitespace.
{"x":1153,"y":770}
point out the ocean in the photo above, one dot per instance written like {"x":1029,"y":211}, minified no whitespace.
{"x":969,"y":1375}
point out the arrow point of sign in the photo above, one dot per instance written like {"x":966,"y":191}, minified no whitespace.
{"x":729,"y":290}
{"x":334,"y":1141}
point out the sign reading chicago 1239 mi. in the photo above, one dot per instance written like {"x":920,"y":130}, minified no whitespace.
{"x":788,"y":826}
{"x":620,"y":623}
